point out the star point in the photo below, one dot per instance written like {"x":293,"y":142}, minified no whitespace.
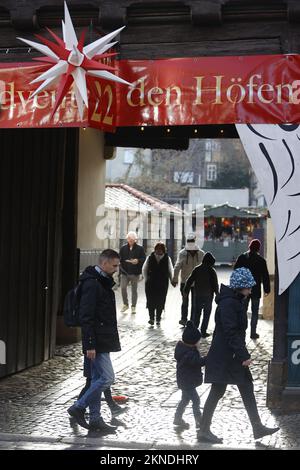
{"x":73,"y":62}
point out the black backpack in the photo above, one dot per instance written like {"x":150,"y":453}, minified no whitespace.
{"x":71,"y":306}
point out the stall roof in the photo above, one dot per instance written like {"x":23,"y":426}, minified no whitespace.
{"x":227,"y":211}
{"x":122,"y":196}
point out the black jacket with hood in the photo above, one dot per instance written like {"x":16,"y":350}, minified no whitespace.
{"x":228,"y":348}
{"x":204,"y":278}
{"x":98,"y":312}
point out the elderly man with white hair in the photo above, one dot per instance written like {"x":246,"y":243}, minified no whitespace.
{"x":132,"y":257}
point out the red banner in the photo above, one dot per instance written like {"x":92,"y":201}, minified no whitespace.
{"x":186,"y":91}
{"x":20,"y":109}
{"x":210,"y":90}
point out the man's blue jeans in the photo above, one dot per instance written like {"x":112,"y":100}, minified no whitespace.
{"x":102,"y":377}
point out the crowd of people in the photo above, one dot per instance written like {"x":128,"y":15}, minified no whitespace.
{"x":227,"y":361}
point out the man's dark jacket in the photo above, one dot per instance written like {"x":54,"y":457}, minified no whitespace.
{"x":137,"y":252}
{"x":98,"y":312}
{"x":258,"y":267}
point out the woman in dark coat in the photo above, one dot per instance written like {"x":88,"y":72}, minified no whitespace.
{"x":157,"y":270}
{"x":228,"y":359}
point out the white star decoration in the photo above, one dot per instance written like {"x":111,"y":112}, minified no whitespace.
{"x":73,"y":62}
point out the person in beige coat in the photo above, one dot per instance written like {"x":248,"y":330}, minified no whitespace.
{"x":188,"y":258}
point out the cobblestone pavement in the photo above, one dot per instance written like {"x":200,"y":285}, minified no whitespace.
{"x":34,"y":402}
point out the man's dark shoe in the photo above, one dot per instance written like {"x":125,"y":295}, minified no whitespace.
{"x":116,"y":410}
{"x":151,"y":322}
{"x":261,"y":431}
{"x":100,"y":425}
{"x":254,"y":336}
{"x":207,"y":436}
{"x":198,"y":420}
{"x":205,"y":335}
{"x":182,"y":322}
{"x":78,"y":415}
{"x":181,"y":423}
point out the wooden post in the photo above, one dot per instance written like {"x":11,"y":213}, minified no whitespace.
{"x":277,"y":371}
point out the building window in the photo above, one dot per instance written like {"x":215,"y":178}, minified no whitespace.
{"x":128,"y":156}
{"x":208,"y":156}
{"x":208,"y":150}
{"x":211,"y":172}
{"x":208,"y":145}
{"x":215,"y":145}
{"x":184,"y":177}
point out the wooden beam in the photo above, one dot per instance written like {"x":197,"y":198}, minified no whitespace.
{"x":294,"y":11}
{"x":23,"y":15}
{"x":206,"y":12}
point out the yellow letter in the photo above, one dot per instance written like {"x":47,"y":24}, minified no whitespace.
{"x":140,"y":88}
{"x":11,"y":94}
{"x":154,"y":91}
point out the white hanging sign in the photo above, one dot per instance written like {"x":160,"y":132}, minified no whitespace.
{"x":274,"y":153}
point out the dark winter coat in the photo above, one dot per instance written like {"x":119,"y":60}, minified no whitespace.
{"x":258,"y":267}
{"x":157,"y":283}
{"x":189,"y":363}
{"x":228,"y":348}
{"x":205,"y":279}
{"x":137,"y":252}
{"x":98,"y":313}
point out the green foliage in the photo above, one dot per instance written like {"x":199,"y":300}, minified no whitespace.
{"x":230,"y":176}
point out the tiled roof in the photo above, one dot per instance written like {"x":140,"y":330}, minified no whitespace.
{"x":122,"y":196}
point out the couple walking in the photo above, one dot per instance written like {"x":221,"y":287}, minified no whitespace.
{"x":156,"y":270}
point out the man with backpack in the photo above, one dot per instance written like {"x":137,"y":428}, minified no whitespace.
{"x":97,"y":312}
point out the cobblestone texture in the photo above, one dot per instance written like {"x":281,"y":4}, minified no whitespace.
{"x":34,"y":402}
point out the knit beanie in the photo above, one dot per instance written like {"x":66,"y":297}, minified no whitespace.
{"x":254,"y":245}
{"x":191,"y":334}
{"x":241,"y":278}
